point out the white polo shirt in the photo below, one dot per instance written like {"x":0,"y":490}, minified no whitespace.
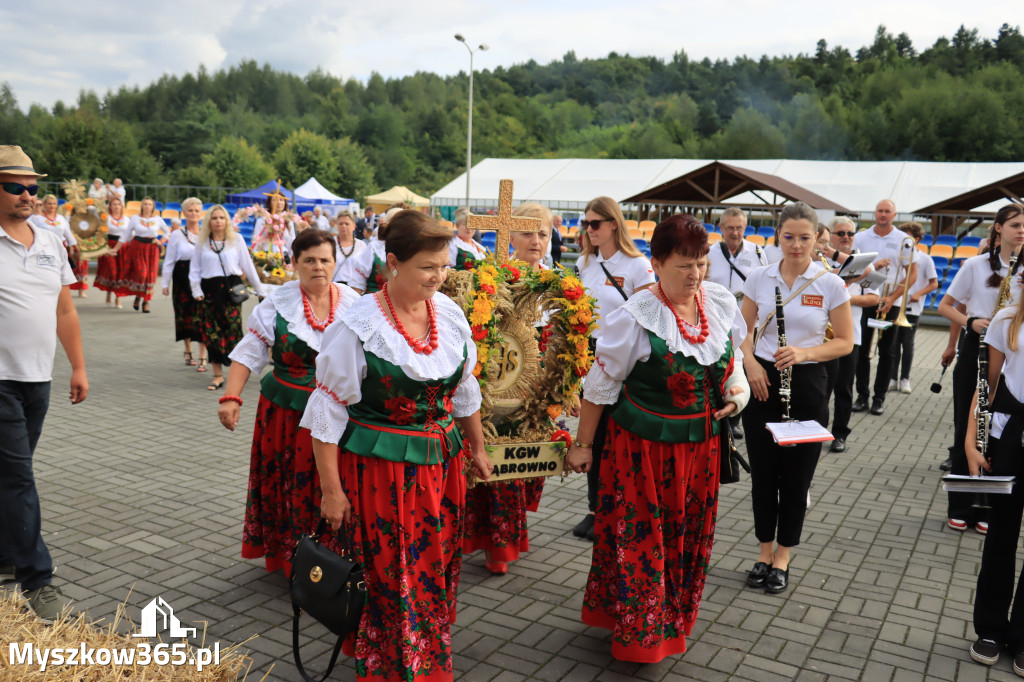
{"x":631,"y":273}
{"x":31,"y":282}
{"x":750,"y":256}
{"x":869,"y":241}
{"x":970,"y":287}
{"x":856,"y":311}
{"x":925,"y":273}
{"x":806,"y":315}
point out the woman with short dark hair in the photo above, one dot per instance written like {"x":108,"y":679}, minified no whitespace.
{"x":286,"y":330}
{"x":394,"y":374}
{"x":665,"y":365}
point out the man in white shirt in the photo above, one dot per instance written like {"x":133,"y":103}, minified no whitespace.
{"x":98,"y":190}
{"x":116,"y":189}
{"x":35,"y":310}
{"x":887,"y":241}
{"x":320,"y":221}
{"x":730,"y":261}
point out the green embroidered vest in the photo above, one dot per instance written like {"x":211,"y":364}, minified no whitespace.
{"x":401,"y":419}
{"x":668,"y":398}
{"x":293,"y":377}
{"x":378,"y":275}
{"x":461,"y":258}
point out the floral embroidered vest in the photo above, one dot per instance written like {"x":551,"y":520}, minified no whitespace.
{"x":464,"y":260}
{"x":668,"y":398}
{"x":402,"y":419}
{"x":378,"y":275}
{"x":294,"y":375}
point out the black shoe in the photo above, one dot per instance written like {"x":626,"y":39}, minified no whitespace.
{"x":947,"y":464}
{"x":777,"y":580}
{"x":860,"y":405}
{"x":838,"y":445}
{"x":985,"y":651}
{"x":757,"y":574}
{"x":877,"y":407}
{"x":585,"y":526}
{"x":737,"y":431}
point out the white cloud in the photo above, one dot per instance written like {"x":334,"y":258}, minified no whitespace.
{"x":70,"y":45}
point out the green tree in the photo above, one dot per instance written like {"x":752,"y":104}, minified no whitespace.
{"x":748,"y":135}
{"x":236,"y":163}
{"x":355,"y":175}
{"x":85,"y":145}
{"x":305,"y":154}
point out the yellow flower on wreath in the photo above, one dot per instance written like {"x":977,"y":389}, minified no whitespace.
{"x":278,"y":272}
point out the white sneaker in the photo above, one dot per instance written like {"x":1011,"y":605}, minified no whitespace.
{"x":904,"y":385}
{"x":892,"y":384}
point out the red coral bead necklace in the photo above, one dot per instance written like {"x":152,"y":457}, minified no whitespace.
{"x":419,"y":346}
{"x":682,"y":324}
{"x":311,"y":317}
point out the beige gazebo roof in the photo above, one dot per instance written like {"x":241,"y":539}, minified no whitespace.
{"x":397,"y":194}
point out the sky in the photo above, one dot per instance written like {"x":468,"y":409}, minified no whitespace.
{"x":63,"y":46}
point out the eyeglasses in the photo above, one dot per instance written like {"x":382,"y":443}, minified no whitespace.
{"x":17,"y":190}
{"x":596,"y":224}
{"x":844,"y":234}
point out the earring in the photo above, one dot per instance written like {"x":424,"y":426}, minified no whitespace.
{"x":394,"y":273}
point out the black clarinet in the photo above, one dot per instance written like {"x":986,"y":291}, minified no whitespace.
{"x":786,"y":375}
{"x":981,"y":500}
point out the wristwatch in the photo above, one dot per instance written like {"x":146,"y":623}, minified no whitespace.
{"x":578,"y":444}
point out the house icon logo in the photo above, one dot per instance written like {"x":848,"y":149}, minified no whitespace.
{"x":160,"y":609}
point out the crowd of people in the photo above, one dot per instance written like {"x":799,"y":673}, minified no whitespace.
{"x":370,"y":414}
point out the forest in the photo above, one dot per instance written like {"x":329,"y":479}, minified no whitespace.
{"x":961,"y":99}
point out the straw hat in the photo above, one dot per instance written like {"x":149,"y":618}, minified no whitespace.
{"x":13,"y":161}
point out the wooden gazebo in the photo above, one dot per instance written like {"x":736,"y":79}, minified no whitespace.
{"x":949,"y":214}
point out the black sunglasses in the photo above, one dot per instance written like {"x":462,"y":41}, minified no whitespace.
{"x":844,"y":234}
{"x":17,"y":190}
{"x":596,"y":224}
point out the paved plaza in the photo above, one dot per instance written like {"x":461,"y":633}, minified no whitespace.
{"x":143,"y":495}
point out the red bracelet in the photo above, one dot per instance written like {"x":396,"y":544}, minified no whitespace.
{"x":226,"y":398}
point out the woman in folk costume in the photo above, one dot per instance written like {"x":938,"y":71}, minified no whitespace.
{"x":277,"y":232}
{"x":142,"y":258}
{"x":286,"y":329}
{"x":110,"y":265}
{"x":394,"y":374}
{"x":50,"y":220}
{"x":665,"y":363}
{"x":188,"y":325}
{"x":367,"y":272}
{"x":348,"y":247}
{"x":464,"y":251}
{"x":218,"y":263}
{"x":496,"y":513}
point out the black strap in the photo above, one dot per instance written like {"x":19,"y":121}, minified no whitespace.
{"x":725,"y":252}
{"x":614,"y":281}
{"x":298,"y":658}
{"x":723,"y":428}
{"x":1003,"y":401}
{"x":219,"y":259}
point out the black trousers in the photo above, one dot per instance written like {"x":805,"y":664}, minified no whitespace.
{"x":844,"y":394}
{"x":965,"y":381}
{"x":992,"y":602}
{"x":23,"y":407}
{"x":780,"y":477}
{"x":885,"y":353}
{"x":903,"y":350}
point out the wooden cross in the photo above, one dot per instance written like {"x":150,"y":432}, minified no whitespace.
{"x":504,"y":223}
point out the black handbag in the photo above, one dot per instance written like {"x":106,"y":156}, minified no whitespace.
{"x":237,"y":294}
{"x":731,"y":461}
{"x":327,"y":586}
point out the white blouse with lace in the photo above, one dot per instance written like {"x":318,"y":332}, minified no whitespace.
{"x":253,"y":350}
{"x":180,"y":246}
{"x":364,"y":328}
{"x":146,"y":228}
{"x":357,"y":268}
{"x":341,"y":260}
{"x":625,"y":342}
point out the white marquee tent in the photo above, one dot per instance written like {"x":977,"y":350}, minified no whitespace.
{"x":568,"y":184}
{"x":312,"y":192}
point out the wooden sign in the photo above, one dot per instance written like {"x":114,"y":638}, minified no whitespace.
{"x":514,"y":461}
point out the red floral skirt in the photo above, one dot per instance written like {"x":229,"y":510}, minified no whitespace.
{"x":406,"y":531}
{"x":496,"y":517}
{"x":284,"y":490}
{"x":81,"y":270}
{"x":140,"y":269}
{"x":655,"y":525}
{"x":108,"y":269}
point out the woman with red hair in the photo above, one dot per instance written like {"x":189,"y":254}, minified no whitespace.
{"x":665,"y":366}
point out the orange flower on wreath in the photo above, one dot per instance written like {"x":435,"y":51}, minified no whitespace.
{"x":554,"y":411}
{"x":89,"y":202}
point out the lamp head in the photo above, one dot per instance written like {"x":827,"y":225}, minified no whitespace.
{"x":459,"y":37}
{"x":483,"y":46}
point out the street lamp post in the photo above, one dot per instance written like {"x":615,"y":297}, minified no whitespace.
{"x":469,"y":134}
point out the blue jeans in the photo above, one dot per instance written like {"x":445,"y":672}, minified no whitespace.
{"x":23,"y":407}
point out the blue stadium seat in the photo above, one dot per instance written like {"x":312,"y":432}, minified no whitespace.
{"x":950,"y":274}
{"x":231,"y":208}
{"x":970,"y":240}
{"x":750,"y":231}
{"x":573,"y":222}
{"x":709,"y":228}
{"x":766,"y":232}
{"x":947,"y":239}
{"x":641,"y":244}
{"x":957,"y":262}
{"x":927,"y":240}
{"x":208,"y":206}
{"x":173,"y":205}
{"x":158,"y":206}
{"x":489,"y":239}
{"x":941,"y":263}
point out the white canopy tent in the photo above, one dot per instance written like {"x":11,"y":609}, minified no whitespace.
{"x":568,"y":184}
{"x":312,"y":192}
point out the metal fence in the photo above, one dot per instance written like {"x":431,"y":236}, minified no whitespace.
{"x":161,"y":193}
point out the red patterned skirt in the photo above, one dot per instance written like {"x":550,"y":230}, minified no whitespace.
{"x":496,"y":517}
{"x":655,"y":525}
{"x":108,"y":268}
{"x":406,"y":533}
{"x":284,"y":490}
{"x":141,"y":267}
{"x":81,"y":270}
